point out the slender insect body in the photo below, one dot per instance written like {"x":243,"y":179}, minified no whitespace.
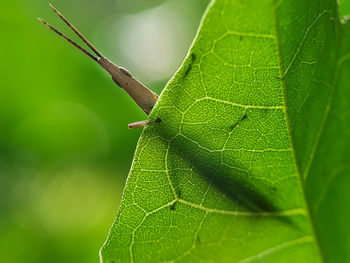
{"x":143,"y":97}
{"x":116,"y":82}
{"x":125,"y":71}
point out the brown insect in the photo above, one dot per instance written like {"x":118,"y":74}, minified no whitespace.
{"x":144,"y":98}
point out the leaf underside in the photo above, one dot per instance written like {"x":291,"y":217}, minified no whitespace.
{"x":249,"y":162}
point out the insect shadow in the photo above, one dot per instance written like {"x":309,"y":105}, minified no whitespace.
{"x":223,"y":179}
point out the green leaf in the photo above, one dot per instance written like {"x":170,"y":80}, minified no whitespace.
{"x":250,"y":162}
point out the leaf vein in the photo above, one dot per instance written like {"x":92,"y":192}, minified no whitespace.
{"x":279,"y":247}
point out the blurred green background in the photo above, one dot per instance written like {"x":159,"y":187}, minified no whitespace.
{"x":65,"y":149}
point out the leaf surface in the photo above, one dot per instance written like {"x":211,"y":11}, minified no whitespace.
{"x":249,"y":162}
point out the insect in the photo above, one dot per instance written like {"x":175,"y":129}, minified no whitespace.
{"x":144,"y":98}
{"x":142,"y":123}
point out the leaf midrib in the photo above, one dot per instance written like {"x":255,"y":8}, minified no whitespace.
{"x":282,"y":74}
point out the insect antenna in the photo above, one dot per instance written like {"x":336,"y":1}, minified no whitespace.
{"x":143,"y":97}
{"x":76,"y":31}
{"x":68,"y":39}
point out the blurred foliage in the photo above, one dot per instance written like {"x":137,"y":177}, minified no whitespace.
{"x":344,"y":9}
{"x":65,"y":149}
